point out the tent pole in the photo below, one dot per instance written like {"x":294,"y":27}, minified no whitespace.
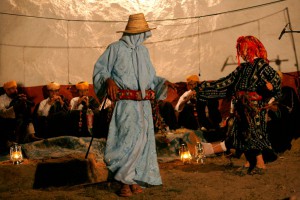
{"x":295,"y":52}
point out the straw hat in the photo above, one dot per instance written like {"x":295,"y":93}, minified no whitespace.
{"x":83,"y":85}
{"x":53,"y":86}
{"x":136,"y":24}
{"x":192,"y":78}
{"x":9,"y":84}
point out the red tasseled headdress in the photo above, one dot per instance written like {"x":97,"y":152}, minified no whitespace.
{"x":252,"y":46}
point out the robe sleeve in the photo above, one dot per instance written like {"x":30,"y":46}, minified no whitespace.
{"x":182,"y":101}
{"x":73,"y":103}
{"x":102,"y":70}
{"x":219,"y":88}
{"x":44,"y":108}
{"x":5,"y":110}
{"x":270,"y":75}
{"x":7,"y":113}
{"x":160,"y":88}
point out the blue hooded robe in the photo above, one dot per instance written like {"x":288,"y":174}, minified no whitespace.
{"x":130,"y":152}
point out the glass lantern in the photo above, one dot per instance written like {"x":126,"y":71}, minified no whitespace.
{"x":185,"y":155}
{"x":199,"y":153}
{"x":16,"y":154}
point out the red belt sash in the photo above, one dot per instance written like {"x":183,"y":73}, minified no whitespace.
{"x":253,"y":96}
{"x":135,"y":95}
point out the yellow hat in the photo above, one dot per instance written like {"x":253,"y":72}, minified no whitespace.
{"x":83,"y":85}
{"x":9,"y":84}
{"x":193,"y":78}
{"x":53,"y":86}
{"x":136,"y":24}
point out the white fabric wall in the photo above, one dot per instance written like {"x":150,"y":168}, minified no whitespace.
{"x":60,"y":40}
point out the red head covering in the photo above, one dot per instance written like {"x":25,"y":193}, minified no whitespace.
{"x":250,"y":47}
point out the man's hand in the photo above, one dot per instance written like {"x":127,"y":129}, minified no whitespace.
{"x":54,"y":99}
{"x":83,"y":100}
{"x":190,"y":95}
{"x":22,"y":97}
{"x":269,"y":86}
{"x":51,"y":101}
{"x":112,"y":89}
{"x":273,"y":107}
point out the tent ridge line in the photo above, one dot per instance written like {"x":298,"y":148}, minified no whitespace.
{"x":121,"y":21}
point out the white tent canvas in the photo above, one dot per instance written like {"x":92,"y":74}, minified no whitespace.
{"x":43,"y":41}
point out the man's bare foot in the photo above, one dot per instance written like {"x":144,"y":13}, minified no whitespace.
{"x":125,"y":191}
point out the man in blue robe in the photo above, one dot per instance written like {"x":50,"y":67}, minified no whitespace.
{"x":124,"y":71}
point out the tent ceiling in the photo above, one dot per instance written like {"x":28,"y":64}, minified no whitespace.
{"x":52,"y":40}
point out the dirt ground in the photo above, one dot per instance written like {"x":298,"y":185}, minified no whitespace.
{"x":215,"y":179}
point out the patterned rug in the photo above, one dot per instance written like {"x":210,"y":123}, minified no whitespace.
{"x":63,"y":146}
{"x":167,"y":145}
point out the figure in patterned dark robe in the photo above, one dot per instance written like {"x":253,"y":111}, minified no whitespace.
{"x":253,"y":85}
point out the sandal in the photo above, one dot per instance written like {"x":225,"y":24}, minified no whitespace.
{"x":257,"y":170}
{"x":136,"y":189}
{"x":242,"y":171}
{"x":125,"y":191}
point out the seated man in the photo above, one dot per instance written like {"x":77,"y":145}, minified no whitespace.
{"x":79,"y":106}
{"x":83,"y":101}
{"x":52,"y":113}
{"x":15,"y":117}
{"x":195,"y":114}
{"x":186,"y":106}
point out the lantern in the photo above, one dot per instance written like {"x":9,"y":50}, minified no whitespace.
{"x":16,"y":154}
{"x":185,"y":155}
{"x":199,"y":153}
